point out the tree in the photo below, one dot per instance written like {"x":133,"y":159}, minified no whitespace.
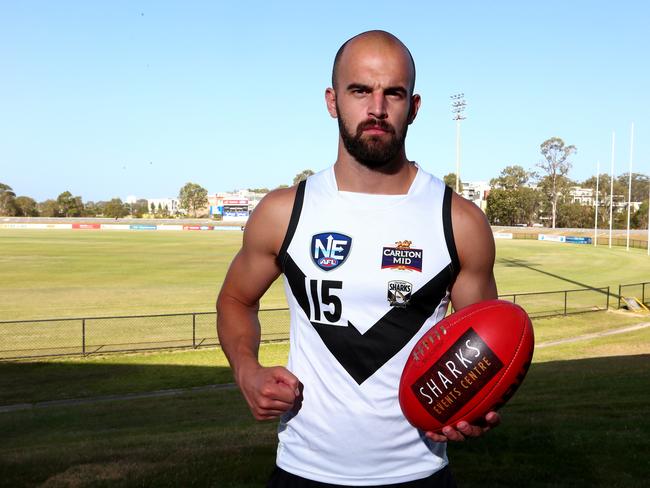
{"x":639,"y":219}
{"x":511,"y":178}
{"x":116,"y":208}
{"x":91,"y":209}
{"x":193,"y":197}
{"x":513,"y":206}
{"x":562,"y":195}
{"x":259,"y":190}
{"x":49,"y":208}
{"x":511,"y":202}
{"x":450,"y":181}
{"x":639,"y":186}
{"x":7,"y":200}
{"x":575,"y":215}
{"x":303,"y":175}
{"x":70,"y":206}
{"x":139,"y":208}
{"x":555,"y":164}
{"x":26,"y":207}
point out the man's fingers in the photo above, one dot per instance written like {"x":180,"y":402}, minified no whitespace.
{"x":286,"y":377}
{"x":493,"y":419}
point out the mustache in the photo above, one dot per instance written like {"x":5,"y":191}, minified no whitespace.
{"x":375,"y":124}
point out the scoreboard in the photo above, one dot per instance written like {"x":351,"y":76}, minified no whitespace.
{"x":235,"y":209}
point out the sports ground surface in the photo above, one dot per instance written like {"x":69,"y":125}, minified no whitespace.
{"x":580,"y":419}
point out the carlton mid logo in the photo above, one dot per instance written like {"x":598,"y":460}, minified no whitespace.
{"x":402,"y":256}
{"x":330,"y":249}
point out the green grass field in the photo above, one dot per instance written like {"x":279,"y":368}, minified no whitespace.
{"x":575,"y":422}
{"x":580,"y":418}
{"x":61,"y":274}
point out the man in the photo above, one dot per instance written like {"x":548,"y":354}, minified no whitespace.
{"x":372,"y":250}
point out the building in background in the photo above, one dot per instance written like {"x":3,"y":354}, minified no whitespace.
{"x":233,"y":206}
{"x":476,"y":192}
{"x":169,"y":206}
{"x":583,"y":196}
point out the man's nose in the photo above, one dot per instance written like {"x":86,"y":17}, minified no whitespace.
{"x":377,"y":108}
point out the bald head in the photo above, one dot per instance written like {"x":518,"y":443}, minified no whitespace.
{"x":377,"y":40}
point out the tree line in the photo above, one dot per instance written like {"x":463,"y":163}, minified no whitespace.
{"x":517,"y":197}
{"x":192,"y":198}
{"x":543,"y":195}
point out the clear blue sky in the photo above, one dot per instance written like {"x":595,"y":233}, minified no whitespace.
{"x":116,"y":98}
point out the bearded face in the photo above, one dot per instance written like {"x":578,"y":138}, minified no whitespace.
{"x":372,"y":150}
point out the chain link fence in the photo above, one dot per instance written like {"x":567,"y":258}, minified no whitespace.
{"x":24,"y":339}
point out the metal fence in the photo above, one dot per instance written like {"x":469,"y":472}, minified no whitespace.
{"x":637,"y":290}
{"x":602,"y":240}
{"x":562,"y":302}
{"x":24,"y":339}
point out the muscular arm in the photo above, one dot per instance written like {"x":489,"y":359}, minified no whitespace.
{"x":268,"y":391}
{"x":474,"y":283}
{"x":475,"y":246}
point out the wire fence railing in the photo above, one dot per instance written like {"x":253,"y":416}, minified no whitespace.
{"x":27,"y":339}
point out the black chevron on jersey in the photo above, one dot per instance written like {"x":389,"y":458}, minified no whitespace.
{"x":363,"y":354}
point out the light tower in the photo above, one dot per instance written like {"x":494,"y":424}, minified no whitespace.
{"x":458,"y":105}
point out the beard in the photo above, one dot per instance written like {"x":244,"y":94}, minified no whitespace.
{"x":372,"y":151}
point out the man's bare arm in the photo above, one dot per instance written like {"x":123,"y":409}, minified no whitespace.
{"x":474,"y":283}
{"x":269,"y":391}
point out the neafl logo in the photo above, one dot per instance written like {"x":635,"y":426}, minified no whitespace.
{"x":330,"y":249}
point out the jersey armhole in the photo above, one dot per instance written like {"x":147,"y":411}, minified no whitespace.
{"x":449,"y":231}
{"x":293,"y":223}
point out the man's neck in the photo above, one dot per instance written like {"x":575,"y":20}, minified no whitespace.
{"x":394,"y":178}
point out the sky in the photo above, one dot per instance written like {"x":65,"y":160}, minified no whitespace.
{"x":136,"y":98}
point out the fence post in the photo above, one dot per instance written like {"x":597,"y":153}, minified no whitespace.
{"x":643,"y":293}
{"x":83,"y":336}
{"x":514,"y":298}
{"x":607,"y":308}
{"x":565,"y":294}
{"x":194,"y":331}
{"x":619,"y":297}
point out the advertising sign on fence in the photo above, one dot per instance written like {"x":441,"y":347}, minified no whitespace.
{"x":198,"y":227}
{"x":169,"y":227}
{"x":579,"y":240}
{"x":551,"y":238}
{"x":503,"y":235}
{"x":114,"y":227}
{"x":86,"y":226}
{"x":143,"y":227}
{"x":35,"y":226}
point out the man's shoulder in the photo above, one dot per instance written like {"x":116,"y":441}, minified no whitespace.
{"x":269,"y":221}
{"x":472,"y":231}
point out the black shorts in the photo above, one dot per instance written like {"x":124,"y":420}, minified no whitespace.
{"x":440,"y":479}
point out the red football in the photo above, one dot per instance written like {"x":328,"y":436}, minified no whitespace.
{"x":467,"y":365}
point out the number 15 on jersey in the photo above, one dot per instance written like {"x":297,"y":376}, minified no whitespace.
{"x":325,"y":305}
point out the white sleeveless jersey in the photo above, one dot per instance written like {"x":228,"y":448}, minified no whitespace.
{"x":365,"y":276}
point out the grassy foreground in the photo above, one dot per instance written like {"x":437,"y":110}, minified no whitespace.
{"x":575,"y":422}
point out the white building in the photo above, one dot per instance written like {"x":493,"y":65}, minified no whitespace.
{"x":477,"y":192}
{"x":170,"y":205}
{"x":583,"y":196}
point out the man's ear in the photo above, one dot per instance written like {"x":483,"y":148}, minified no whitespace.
{"x":416,"y":101}
{"x":330,"y":100}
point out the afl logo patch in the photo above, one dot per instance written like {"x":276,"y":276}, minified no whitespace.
{"x":330,"y":249}
{"x":402,"y":257}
